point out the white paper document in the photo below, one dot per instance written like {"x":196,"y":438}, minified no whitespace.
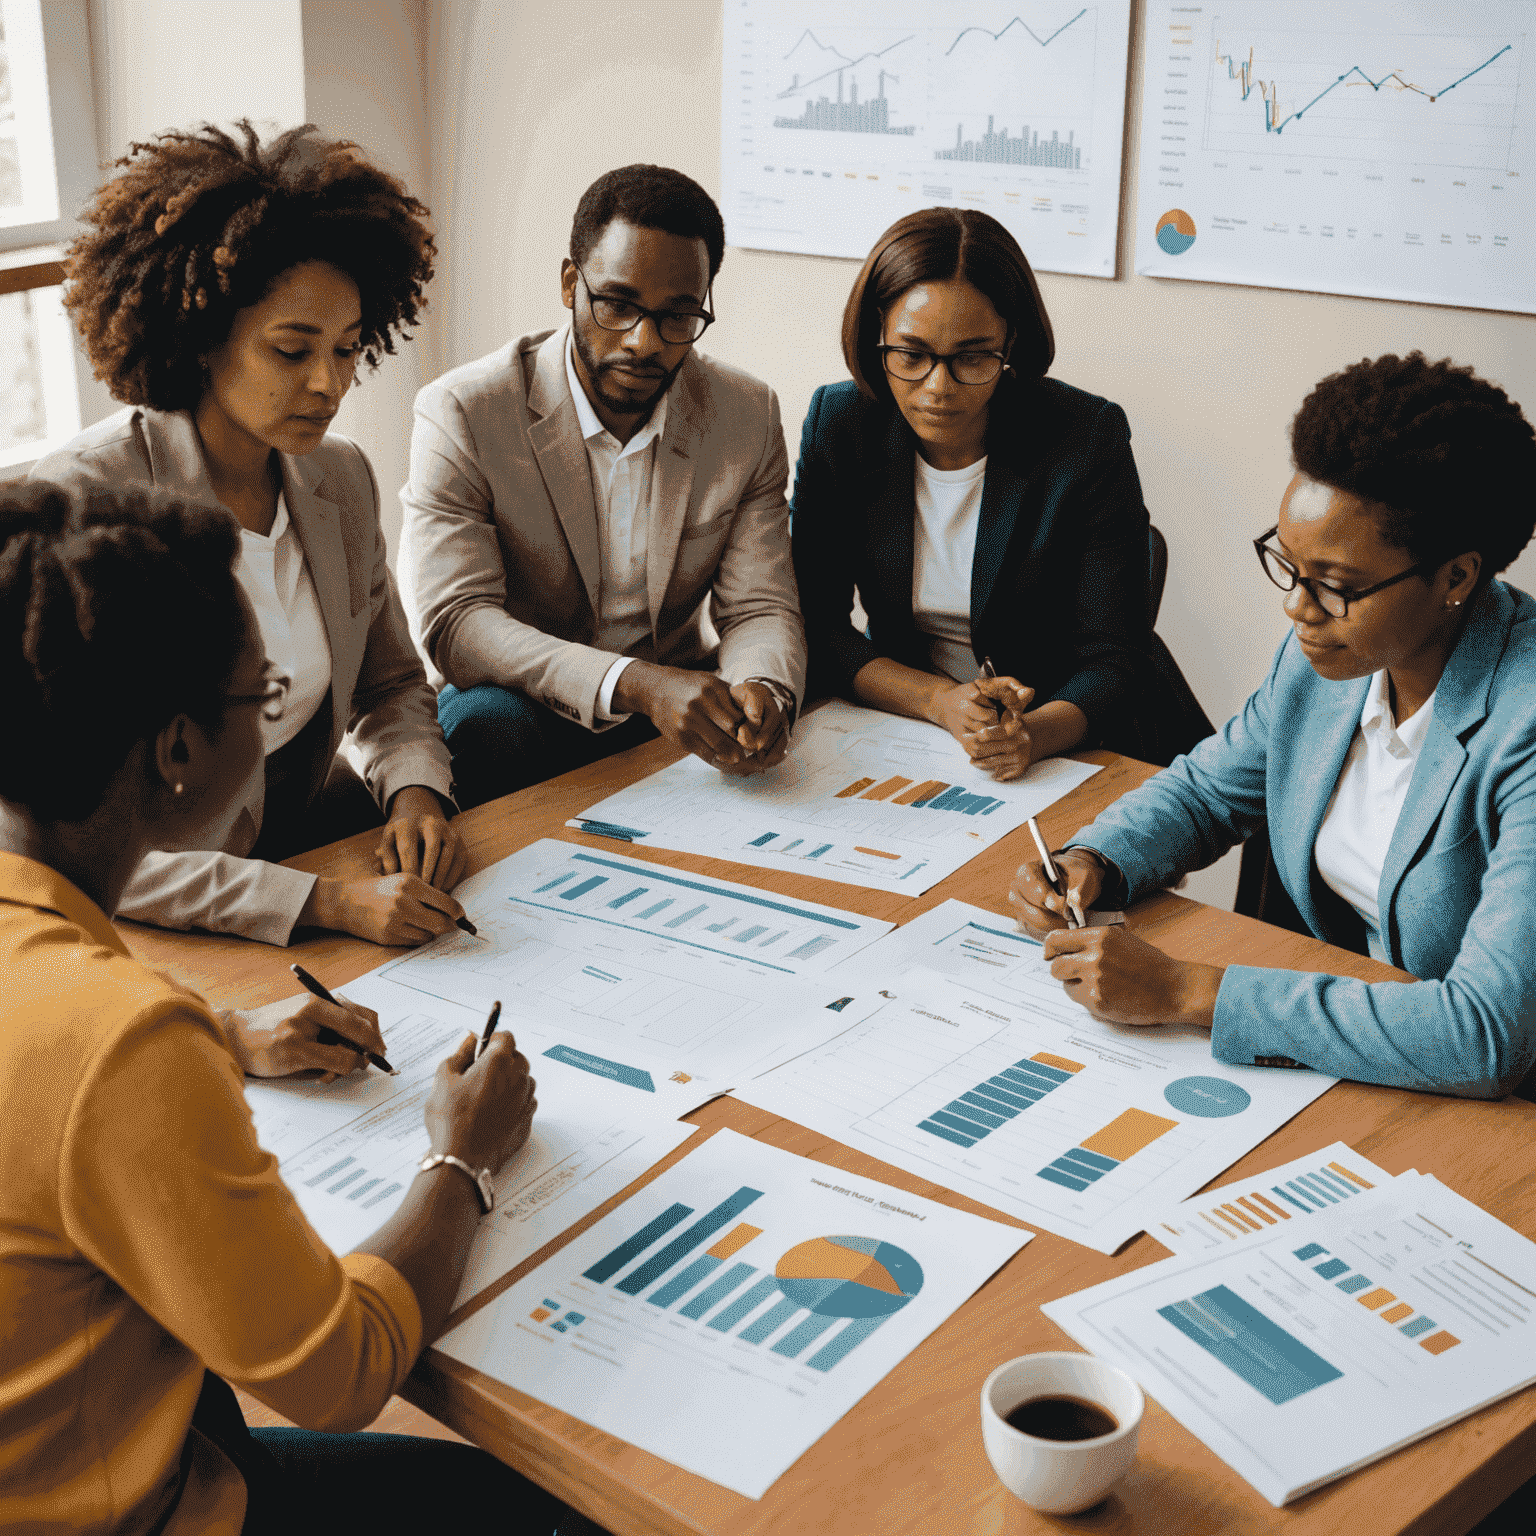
{"x":1364,"y":148}
{"x":1020,"y":1099}
{"x":348,"y":1150}
{"x":1300,"y":1356}
{"x":639,"y":963}
{"x":729,"y":1313}
{"x":1237,"y":1213}
{"x":863,"y":797}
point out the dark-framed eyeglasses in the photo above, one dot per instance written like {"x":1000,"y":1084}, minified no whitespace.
{"x":674,"y":326}
{"x":1332,"y":600}
{"x":912,"y":365}
{"x":273,"y":698}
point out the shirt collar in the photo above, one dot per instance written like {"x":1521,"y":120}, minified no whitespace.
{"x":1376,"y":717}
{"x":27,"y":883}
{"x":590,"y":425}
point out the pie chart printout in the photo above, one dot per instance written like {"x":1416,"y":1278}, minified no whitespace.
{"x":1175,"y":232}
{"x":1211,"y":1098}
{"x":849,"y":1276}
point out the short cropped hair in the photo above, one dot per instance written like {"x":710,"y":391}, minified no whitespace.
{"x":198,"y":225}
{"x":1447,"y":458}
{"x":650,"y":197}
{"x":118,"y":612}
{"x":933,"y":245}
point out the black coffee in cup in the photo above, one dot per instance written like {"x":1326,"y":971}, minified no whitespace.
{"x":1062,"y":1418}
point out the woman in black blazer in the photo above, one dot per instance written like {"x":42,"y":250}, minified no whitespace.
{"x":983,"y":511}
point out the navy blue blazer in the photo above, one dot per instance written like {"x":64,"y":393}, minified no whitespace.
{"x":1458,"y":889}
{"x":1059,"y":579}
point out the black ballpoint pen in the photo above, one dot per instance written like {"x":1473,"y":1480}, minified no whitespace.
{"x":490,"y":1029}
{"x":328,"y":1036}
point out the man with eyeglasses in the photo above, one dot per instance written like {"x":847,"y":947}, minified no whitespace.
{"x":596,"y":543}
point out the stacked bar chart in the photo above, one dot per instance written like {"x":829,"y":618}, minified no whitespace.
{"x":929,"y":795}
{"x":1104,"y":1151}
{"x":1026,"y":149}
{"x":1000,"y":1098}
{"x":1390,"y":1308}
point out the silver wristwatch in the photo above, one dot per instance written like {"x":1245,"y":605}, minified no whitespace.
{"x":481,"y":1177}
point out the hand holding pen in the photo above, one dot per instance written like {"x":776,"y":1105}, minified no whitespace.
{"x":997,"y":739}
{"x":332,"y":1036}
{"x":1074,"y":913}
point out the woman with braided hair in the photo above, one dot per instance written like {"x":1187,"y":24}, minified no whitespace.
{"x":149,"y":1252}
{"x":226,"y":290}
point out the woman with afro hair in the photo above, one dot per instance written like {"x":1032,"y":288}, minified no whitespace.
{"x":1391,"y":750}
{"x":226,"y":290}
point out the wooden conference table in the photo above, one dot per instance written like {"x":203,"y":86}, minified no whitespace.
{"x":908,"y":1460}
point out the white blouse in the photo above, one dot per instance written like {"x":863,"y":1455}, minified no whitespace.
{"x":948,"y":514}
{"x":276,"y":579}
{"x":1356,"y":830}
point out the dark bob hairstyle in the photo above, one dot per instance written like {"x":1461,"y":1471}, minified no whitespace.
{"x":1446,"y":458}
{"x":199,"y":225}
{"x":930,"y":246}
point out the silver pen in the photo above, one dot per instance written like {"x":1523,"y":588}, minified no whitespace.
{"x":1075,"y":918}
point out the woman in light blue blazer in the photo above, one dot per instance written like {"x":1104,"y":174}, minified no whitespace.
{"x":1391,"y":749}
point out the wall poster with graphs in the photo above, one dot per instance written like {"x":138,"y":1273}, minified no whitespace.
{"x":1373,"y":148}
{"x":840,"y":117}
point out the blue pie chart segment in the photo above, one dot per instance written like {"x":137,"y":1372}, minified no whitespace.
{"x":1211,"y":1098}
{"x":848,"y":1276}
{"x":1175,"y":232}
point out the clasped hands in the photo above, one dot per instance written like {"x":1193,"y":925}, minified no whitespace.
{"x":987,"y":718}
{"x":738,"y":729}
{"x":1111,"y":972}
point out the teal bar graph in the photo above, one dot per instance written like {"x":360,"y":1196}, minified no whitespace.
{"x":712,"y":1295}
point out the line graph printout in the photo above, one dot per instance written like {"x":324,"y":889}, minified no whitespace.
{"x":639,"y":964}
{"x":1030,"y":1105}
{"x":1363,"y":148}
{"x":728,"y":1314}
{"x":1300,"y":1356}
{"x":863,"y":797}
{"x":839,"y":118}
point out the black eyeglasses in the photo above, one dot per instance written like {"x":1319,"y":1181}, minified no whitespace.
{"x":273,"y":698}
{"x":1332,"y":600}
{"x":675,"y":326}
{"x":912,"y":366}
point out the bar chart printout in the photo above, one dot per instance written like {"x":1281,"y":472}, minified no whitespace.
{"x":741,"y":1303}
{"x":1329,"y":1340}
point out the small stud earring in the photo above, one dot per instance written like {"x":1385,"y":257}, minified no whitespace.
{"x":1456,"y":603}
{"x":178,"y":787}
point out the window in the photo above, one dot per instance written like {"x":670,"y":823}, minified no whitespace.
{"x":47,"y":170}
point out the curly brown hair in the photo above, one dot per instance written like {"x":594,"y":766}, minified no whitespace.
{"x":199,"y":225}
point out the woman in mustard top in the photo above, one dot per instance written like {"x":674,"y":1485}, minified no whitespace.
{"x":148,"y":1249}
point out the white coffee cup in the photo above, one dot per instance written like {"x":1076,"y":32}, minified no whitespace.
{"x":1060,"y":1477}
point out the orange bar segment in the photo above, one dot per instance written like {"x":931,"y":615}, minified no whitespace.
{"x":1438,"y":1343}
{"x":886,"y":790}
{"x":924,"y":791}
{"x":1061,"y":1063}
{"x":854,"y":788}
{"x":1127,"y":1134}
{"x":1247,"y":1221}
{"x":1255,"y":1210}
{"x":1398,"y":1313}
{"x":1269,"y":1205}
{"x":1218,"y":1215}
{"x":1354,"y":1178}
{"x":1377,"y":1298}
{"x":878,"y":853}
{"x":539,"y":1314}
{"x":738,"y":1237}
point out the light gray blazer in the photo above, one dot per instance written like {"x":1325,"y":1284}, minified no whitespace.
{"x":380,"y":699}
{"x":499,"y":558}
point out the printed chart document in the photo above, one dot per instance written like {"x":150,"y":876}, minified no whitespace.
{"x":629,"y":959}
{"x":863,"y":797}
{"x":348,"y":1150}
{"x":1299,"y":1356}
{"x":1378,"y":149}
{"x":1019,"y":1098}
{"x":728,"y":1314}
{"x":1238,"y":1212}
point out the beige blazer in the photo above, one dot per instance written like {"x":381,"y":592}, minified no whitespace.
{"x":383,"y":711}
{"x":499,"y":557}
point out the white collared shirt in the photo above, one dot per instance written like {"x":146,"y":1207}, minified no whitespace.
{"x":622,"y":477}
{"x":1356,"y":831}
{"x":948,"y":515}
{"x":275,"y":576}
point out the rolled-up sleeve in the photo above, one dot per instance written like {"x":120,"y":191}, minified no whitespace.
{"x":166,"y":1190}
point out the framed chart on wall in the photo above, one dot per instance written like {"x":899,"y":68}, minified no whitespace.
{"x":1360,"y":148}
{"x":837,"y":118}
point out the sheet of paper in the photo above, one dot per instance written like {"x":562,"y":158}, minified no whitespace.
{"x":348,"y":1150}
{"x":1027,"y":1103}
{"x":728,"y":1314}
{"x":1300,"y":1356}
{"x":840,"y":117}
{"x":863,"y":797}
{"x":638,"y":963}
{"x":1378,"y":149}
{"x":1238,"y":1212}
